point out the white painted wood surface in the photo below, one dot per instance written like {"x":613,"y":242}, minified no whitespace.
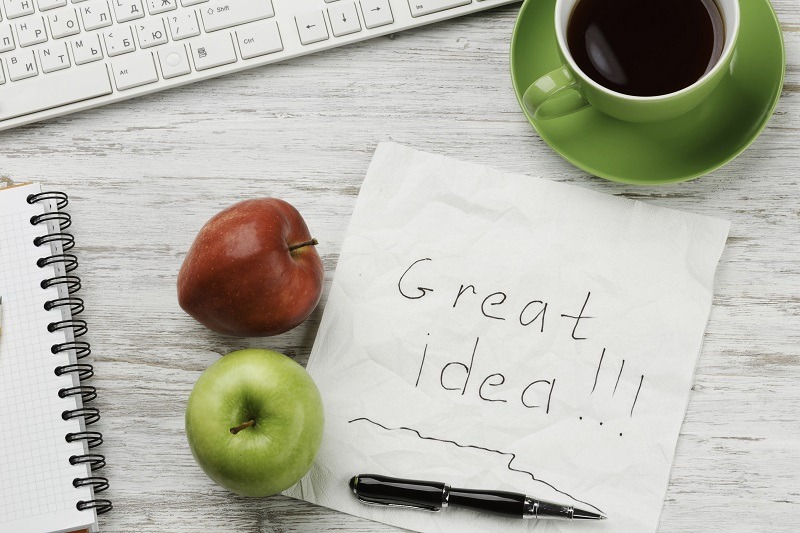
{"x":145,"y":175}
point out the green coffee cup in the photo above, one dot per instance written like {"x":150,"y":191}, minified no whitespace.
{"x":568,"y":89}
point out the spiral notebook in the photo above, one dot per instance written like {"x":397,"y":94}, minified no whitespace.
{"x":48,"y":461}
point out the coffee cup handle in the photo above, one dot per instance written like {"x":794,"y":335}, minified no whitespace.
{"x":554,"y":95}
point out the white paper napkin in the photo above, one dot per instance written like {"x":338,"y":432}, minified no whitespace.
{"x":500,"y":331}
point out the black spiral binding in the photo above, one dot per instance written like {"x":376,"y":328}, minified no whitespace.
{"x":84,"y":371}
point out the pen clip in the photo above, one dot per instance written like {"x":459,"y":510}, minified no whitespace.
{"x":406,"y":505}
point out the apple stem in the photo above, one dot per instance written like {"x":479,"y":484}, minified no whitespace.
{"x":312,"y":242}
{"x":240,"y":427}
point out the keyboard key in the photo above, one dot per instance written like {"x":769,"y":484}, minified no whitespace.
{"x":86,"y":49}
{"x":376,"y":13}
{"x":426,"y":7}
{"x":119,"y":41}
{"x":134,"y":71}
{"x":2,"y":75}
{"x":73,"y":85}
{"x":20,"y":66}
{"x":174,"y":61}
{"x":311,"y":27}
{"x":44,"y":5}
{"x":127,"y":10}
{"x":151,"y":32}
{"x":31,"y":31}
{"x":344,"y":19}
{"x":221,"y":14}
{"x":183,"y":25}
{"x":6,"y":38}
{"x":64,"y":23}
{"x":18,"y":8}
{"x":161,"y":6}
{"x":259,"y":39}
{"x":187,"y":3}
{"x":54,"y":57}
{"x":212,"y":51}
{"x":95,"y":15}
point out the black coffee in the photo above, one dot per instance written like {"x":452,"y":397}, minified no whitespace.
{"x":645,"y":47}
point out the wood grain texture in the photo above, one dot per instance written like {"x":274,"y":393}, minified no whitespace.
{"x":144,"y":175}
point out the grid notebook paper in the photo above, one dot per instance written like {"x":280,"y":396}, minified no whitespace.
{"x":46,"y":465}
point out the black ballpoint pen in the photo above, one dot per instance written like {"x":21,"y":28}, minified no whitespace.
{"x":435,"y":496}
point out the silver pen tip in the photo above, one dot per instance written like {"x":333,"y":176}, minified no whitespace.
{"x":583,"y":514}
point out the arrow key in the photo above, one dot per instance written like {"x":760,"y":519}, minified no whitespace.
{"x":344,"y":19}
{"x":376,"y":13}
{"x":311,"y":27}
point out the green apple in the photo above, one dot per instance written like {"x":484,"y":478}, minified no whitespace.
{"x":254,"y":422}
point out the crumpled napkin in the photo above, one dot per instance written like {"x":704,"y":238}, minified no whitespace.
{"x":500,"y":331}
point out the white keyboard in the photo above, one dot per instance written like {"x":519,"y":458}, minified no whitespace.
{"x":62,"y":56}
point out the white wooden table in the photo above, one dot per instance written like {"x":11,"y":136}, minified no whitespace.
{"x":145,"y":175}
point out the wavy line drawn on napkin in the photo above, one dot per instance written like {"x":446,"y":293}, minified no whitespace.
{"x":621,"y":368}
{"x":513,"y":456}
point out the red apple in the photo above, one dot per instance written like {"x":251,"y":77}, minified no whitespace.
{"x":253,"y":270}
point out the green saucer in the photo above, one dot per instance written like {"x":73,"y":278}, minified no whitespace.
{"x":675,"y":150}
